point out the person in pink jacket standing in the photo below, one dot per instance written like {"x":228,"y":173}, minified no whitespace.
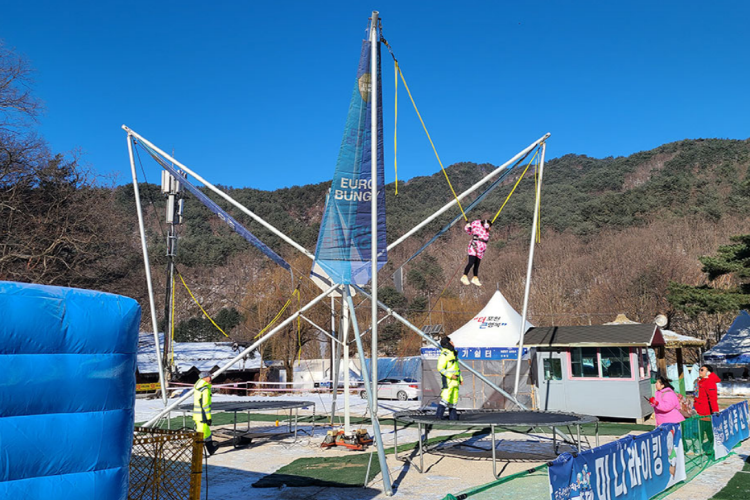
{"x":480,"y":235}
{"x":665,"y":403}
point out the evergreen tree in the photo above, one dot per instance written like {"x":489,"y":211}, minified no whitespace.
{"x":731,"y":260}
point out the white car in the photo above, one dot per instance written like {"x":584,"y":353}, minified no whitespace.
{"x":396,"y":388}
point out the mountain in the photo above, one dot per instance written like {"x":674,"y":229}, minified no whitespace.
{"x":614,"y":232}
{"x":581,"y":195}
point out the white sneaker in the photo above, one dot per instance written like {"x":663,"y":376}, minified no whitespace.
{"x":465,"y":279}
{"x":475,"y":281}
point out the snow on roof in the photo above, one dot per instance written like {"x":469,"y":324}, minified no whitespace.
{"x":203,"y":356}
{"x":674,"y":339}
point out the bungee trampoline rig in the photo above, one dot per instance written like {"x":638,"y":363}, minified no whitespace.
{"x":351,"y":247}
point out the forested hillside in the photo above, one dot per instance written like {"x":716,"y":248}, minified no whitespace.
{"x":615,"y":232}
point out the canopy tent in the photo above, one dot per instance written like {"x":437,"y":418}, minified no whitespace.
{"x":734,"y":347}
{"x":489,"y":342}
{"x":496,"y":325}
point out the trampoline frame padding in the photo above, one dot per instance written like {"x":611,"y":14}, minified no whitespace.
{"x":425,"y":419}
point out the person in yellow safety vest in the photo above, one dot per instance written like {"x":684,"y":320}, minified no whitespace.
{"x":202,"y":410}
{"x":450,"y":373}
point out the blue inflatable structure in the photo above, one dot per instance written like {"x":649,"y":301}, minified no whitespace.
{"x":67,"y":392}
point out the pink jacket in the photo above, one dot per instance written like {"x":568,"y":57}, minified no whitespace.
{"x":667,"y":407}
{"x":481,"y":236}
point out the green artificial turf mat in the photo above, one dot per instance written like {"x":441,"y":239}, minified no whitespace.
{"x":336,"y":472}
{"x":738,"y":488}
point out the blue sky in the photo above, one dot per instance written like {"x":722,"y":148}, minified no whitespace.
{"x":255,"y":94}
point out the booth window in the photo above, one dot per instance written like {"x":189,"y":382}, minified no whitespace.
{"x":615,"y":362}
{"x":584,"y":362}
{"x":552,"y":369}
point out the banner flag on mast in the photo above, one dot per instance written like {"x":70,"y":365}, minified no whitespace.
{"x":343,"y":251}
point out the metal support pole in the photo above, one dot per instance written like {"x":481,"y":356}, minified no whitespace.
{"x":494,"y":452}
{"x":554,"y":441}
{"x":245,"y":352}
{"x":142,"y":229}
{"x":336,"y":365}
{"x":597,"y":433}
{"x":370,"y":400}
{"x":345,"y":348}
{"x":374,"y":42}
{"x":321,"y":330}
{"x":421,"y":447}
{"x":166,"y":359}
{"x":527,"y":290}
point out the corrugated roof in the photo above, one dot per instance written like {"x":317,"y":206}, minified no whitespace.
{"x":594,"y":335}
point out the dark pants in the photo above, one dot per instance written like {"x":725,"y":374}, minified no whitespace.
{"x":473,"y":261}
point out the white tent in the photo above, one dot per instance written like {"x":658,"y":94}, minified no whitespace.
{"x":489,"y":344}
{"x":496,"y":325}
{"x":734,"y":347}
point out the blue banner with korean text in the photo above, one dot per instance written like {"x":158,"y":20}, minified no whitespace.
{"x":344,"y":245}
{"x":631,"y":468}
{"x":730,"y":426}
{"x":478,"y":353}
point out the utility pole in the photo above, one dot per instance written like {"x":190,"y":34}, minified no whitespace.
{"x":172,"y":190}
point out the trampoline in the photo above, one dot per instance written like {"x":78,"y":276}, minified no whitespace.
{"x":240,"y":437}
{"x":494,"y":419}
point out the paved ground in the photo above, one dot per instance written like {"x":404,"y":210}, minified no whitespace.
{"x":714,"y":478}
{"x":231,"y":472}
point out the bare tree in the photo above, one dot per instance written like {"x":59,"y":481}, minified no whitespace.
{"x":56,"y":226}
{"x":17,"y":103}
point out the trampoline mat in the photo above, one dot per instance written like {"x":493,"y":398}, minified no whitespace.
{"x":252,"y":405}
{"x":520,"y":418}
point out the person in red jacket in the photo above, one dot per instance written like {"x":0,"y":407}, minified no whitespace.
{"x":706,"y":399}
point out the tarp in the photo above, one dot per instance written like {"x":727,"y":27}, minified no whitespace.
{"x":67,"y":394}
{"x":343,"y":250}
{"x":734,"y":347}
{"x":408,"y":367}
{"x":631,"y":468}
{"x":496,"y":325}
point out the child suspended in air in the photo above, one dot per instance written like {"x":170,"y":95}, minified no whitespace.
{"x":480,"y":235}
